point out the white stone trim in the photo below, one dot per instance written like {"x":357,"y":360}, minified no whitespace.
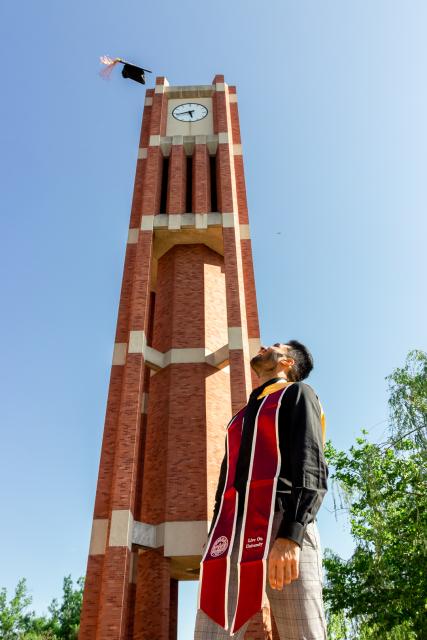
{"x":161,"y":88}
{"x":154,"y":358}
{"x":137,"y":342}
{"x":158,"y":360}
{"x":98,"y":536}
{"x":184,"y":538}
{"x":184,"y":356}
{"x":221,"y":86}
{"x":177,"y":140}
{"x":212,"y":144}
{"x":121,"y":528}
{"x":161,"y":221}
{"x":228,"y":219}
{"x":232,"y":97}
{"x":154,"y":141}
{"x":237,"y":149}
{"x":223,"y":137}
{"x":235,"y":339}
{"x":177,"y":538}
{"x":148,"y":101}
{"x":119,"y":353}
{"x":147,"y":223}
{"x":196,"y":91}
{"x":254,"y":345}
{"x":174,"y":221}
{"x":133,"y":235}
{"x":201,"y":220}
{"x":165,"y":147}
{"x":219,"y":358}
{"x":187,"y":220}
{"x":244,"y":232}
{"x":148,"y":535}
{"x":189,"y":141}
{"x":142,"y":153}
{"x":189,"y":145}
{"x":214,"y":219}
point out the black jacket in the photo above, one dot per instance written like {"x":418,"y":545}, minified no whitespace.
{"x":302,"y":482}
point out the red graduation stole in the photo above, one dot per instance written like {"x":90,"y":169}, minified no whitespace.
{"x":257,"y":520}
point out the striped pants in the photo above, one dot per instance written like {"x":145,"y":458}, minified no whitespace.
{"x":297,"y":608}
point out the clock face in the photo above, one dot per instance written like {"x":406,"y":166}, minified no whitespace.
{"x":190,"y":112}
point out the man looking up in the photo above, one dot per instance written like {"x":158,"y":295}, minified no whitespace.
{"x":264,"y":541}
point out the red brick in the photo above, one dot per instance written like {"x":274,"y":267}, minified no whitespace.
{"x":91,"y":596}
{"x":201,"y":181}
{"x":150,"y":200}
{"x":147,"y":459}
{"x":177,"y":180}
{"x":153,"y":596}
{"x":113,"y":602}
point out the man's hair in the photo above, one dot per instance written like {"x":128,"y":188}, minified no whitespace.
{"x":303,"y":360}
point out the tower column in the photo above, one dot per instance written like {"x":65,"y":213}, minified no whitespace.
{"x":153,"y":597}
{"x":113,"y":613}
{"x":177,"y":177}
{"x":201,"y":186}
{"x":187,"y":322}
{"x":240,"y":374}
{"x":96,"y":571}
{"x":182,"y":439}
{"x":245,"y":239}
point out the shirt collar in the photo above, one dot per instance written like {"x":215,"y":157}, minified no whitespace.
{"x":255,"y":393}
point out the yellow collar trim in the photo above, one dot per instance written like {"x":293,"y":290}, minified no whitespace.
{"x":271,"y":388}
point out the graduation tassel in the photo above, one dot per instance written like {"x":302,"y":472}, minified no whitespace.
{"x":110,"y":64}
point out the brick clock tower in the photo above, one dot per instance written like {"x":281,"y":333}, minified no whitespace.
{"x":187,"y":325}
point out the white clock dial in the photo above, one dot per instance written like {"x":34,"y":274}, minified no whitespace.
{"x":190,"y":112}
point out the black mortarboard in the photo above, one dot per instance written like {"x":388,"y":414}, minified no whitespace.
{"x":129,"y":70}
{"x":133,"y":72}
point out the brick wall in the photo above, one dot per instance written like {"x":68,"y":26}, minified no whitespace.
{"x":161,"y":463}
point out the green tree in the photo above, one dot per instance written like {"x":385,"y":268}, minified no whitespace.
{"x":65,"y":618}
{"x":17,"y":623}
{"x":380,"y":592}
{"x":408,"y":400}
{"x":13,"y":617}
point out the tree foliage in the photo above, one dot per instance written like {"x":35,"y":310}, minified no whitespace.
{"x":408,"y":400}
{"x":65,"y":618}
{"x":380,"y":592}
{"x":17,"y":623}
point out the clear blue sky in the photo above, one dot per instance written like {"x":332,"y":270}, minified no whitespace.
{"x":333,"y":104}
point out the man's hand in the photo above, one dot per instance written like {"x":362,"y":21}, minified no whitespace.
{"x":283,"y":562}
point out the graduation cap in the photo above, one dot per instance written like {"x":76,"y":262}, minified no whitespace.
{"x":129,"y":70}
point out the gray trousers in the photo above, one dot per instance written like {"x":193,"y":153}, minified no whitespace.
{"x":297,"y":608}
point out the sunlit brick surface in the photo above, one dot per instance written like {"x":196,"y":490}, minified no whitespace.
{"x":164,"y":431}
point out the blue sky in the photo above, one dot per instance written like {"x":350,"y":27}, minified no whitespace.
{"x":332,"y":100}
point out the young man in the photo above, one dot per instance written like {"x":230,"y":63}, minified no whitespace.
{"x":264,"y":540}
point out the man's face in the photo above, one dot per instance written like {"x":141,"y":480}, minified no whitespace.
{"x":270,"y":359}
